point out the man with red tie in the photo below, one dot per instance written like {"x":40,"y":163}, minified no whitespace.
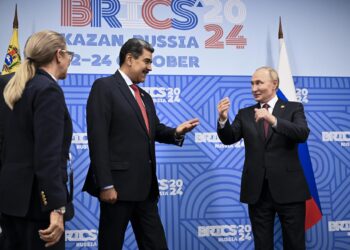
{"x":272,"y":180}
{"x":122,"y":129}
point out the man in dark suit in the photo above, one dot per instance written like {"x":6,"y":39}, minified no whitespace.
{"x":272,"y":180}
{"x":122,"y":129}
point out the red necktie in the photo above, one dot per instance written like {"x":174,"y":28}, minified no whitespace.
{"x":266,"y":124}
{"x":140,"y":103}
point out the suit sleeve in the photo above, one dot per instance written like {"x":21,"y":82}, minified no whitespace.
{"x":1,"y":132}
{"x":165,"y":134}
{"x":3,"y":81}
{"x":296,"y":129}
{"x":230,"y":134}
{"x":2,"y":121}
{"x":48,"y":126}
{"x":98,"y":125}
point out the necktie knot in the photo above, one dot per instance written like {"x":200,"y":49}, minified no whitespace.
{"x":266,"y":106}
{"x":134,"y":87}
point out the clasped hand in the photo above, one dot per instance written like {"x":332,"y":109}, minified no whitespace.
{"x":224,"y":106}
{"x":265,"y":115}
{"x":53,"y":233}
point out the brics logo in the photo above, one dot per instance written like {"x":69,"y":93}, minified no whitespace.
{"x":337,"y":136}
{"x":82,"y":238}
{"x":225,"y":233}
{"x":212,"y":137}
{"x":81,"y":13}
{"x":80,"y":140}
{"x":161,"y":94}
{"x":339,"y":226}
{"x":340,"y":136}
{"x":170,"y":187}
{"x":207,"y":137}
{"x":85,"y":12}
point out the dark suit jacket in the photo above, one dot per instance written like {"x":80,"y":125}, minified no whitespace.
{"x":36,"y":139}
{"x":3,"y":81}
{"x":275,"y":158}
{"x":122,"y":152}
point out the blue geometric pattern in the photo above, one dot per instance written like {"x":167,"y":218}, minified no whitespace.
{"x":200,"y":182}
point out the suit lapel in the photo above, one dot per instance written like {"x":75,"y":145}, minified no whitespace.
{"x":259,"y":126}
{"x":279,"y":108}
{"x":148,"y":110}
{"x":277,"y":112}
{"x":124,"y":89}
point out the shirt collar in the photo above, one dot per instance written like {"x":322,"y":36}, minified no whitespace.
{"x":125,"y":77}
{"x":271,"y":103}
{"x":52,"y":76}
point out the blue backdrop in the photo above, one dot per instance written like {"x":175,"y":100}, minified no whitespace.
{"x":200,"y":183}
{"x":206,"y":50}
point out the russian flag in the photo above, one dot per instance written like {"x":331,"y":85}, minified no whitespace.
{"x":287,"y":92}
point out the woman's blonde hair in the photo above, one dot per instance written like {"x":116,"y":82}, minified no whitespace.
{"x":39,"y":51}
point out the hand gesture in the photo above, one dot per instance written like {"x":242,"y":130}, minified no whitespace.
{"x":264,"y":114}
{"x":223,"y":108}
{"x":187,"y":126}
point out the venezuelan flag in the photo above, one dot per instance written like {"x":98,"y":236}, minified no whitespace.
{"x":13,"y":57}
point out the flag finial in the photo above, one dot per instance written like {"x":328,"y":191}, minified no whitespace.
{"x":280,"y":32}
{"x":15,"y":20}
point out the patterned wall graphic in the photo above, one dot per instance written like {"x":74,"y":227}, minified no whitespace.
{"x":200,"y":182}
{"x":206,"y":50}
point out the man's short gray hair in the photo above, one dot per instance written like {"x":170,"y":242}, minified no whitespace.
{"x":272,"y":72}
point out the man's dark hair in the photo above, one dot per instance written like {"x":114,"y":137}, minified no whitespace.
{"x":134,"y":46}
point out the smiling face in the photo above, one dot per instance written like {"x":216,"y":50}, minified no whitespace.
{"x":263,"y":86}
{"x":139,"y":67}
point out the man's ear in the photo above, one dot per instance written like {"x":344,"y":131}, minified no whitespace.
{"x":128,"y":59}
{"x":59,"y":56}
{"x":275,"y":82}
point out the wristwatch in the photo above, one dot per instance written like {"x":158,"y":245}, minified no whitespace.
{"x":61,"y":210}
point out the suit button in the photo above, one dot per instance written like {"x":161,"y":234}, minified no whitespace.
{"x":150,"y":161}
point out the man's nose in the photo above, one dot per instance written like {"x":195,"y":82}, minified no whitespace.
{"x":254,"y":87}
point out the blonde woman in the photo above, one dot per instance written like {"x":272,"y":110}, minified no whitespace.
{"x":36,"y":132}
